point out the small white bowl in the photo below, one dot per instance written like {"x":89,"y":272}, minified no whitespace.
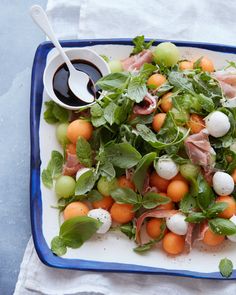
{"x":73,"y":53}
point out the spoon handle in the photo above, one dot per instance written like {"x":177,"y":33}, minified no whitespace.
{"x":40,"y":18}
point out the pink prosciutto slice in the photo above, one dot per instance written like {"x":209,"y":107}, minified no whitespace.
{"x":227,"y":82}
{"x":198,"y":148}
{"x":189,"y":238}
{"x":135,"y":62}
{"x":72,"y":165}
{"x":156,"y":213}
{"x":147,"y":106}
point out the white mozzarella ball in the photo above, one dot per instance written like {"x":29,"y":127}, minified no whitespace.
{"x":166,"y":168}
{"x":223,"y":183}
{"x":81,"y":172}
{"x":217,"y":124}
{"x":232,"y":238}
{"x":177,"y":224}
{"x":103,"y":216}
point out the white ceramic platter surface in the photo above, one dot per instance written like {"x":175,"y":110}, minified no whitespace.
{"x":115,"y":246}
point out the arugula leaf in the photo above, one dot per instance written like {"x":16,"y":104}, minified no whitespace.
{"x":226,"y":267}
{"x":146,"y":133}
{"x":195,"y":217}
{"x":137,"y":89}
{"x":53,"y":170}
{"x":143,"y":119}
{"x":114,"y":81}
{"x":152,"y":200}
{"x":85,"y":182}
{"x":141,"y":170}
{"x":106,"y":169}
{"x":206,"y":103}
{"x":140,"y":44}
{"x":205,"y":196}
{"x":222,"y":226}
{"x":75,"y":231}
{"x":186,"y":103}
{"x":172,"y":134}
{"x":122,"y":155}
{"x":54,"y":113}
{"x":84,"y":152}
{"x":146,"y":247}
{"x":58,"y":246}
{"x":204,"y":83}
{"x":180,"y":82}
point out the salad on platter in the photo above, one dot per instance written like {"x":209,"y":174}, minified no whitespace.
{"x":155,"y":158}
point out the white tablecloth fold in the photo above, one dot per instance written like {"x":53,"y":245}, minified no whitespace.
{"x":202,"y":20}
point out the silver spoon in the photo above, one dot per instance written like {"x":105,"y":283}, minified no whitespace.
{"x":78,"y":81}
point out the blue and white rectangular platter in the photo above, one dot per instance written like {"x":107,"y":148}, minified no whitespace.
{"x":112,"y":252}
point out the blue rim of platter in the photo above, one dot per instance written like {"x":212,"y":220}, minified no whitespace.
{"x":43,"y":251}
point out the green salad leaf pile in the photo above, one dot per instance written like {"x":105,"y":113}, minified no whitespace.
{"x":148,"y":149}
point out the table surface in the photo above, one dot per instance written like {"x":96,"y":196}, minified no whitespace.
{"x":19,"y":40}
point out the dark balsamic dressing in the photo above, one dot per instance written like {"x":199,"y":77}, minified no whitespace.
{"x":61,"y":87}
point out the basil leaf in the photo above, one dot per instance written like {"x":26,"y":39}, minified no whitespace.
{"x":85,"y":182}
{"x":140,"y":44}
{"x":58,"y":246}
{"x":53,"y":170}
{"x":84,"y":152}
{"x":195,"y":217}
{"x":107,"y":170}
{"x":152,"y":200}
{"x":75,"y":231}
{"x":54,"y":113}
{"x":114,"y":81}
{"x":94,"y":195}
{"x":226,"y":267}
{"x":215,"y":209}
{"x":137,"y":89}
{"x":47,"y":178}
{"x":129,"y":230}
{"x":222,"y":226}
{"x":205,"y":196}
{"x":187,"y":204}
{"x":146,"y":70}
{"x":141,"y":170}
{"x":109,"y":113}
{"x":125,"y":196}
{"x":122,"y":155}
{"x":97,"y":117}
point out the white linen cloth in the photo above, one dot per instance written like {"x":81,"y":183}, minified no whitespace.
{"x":202,"y":20}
